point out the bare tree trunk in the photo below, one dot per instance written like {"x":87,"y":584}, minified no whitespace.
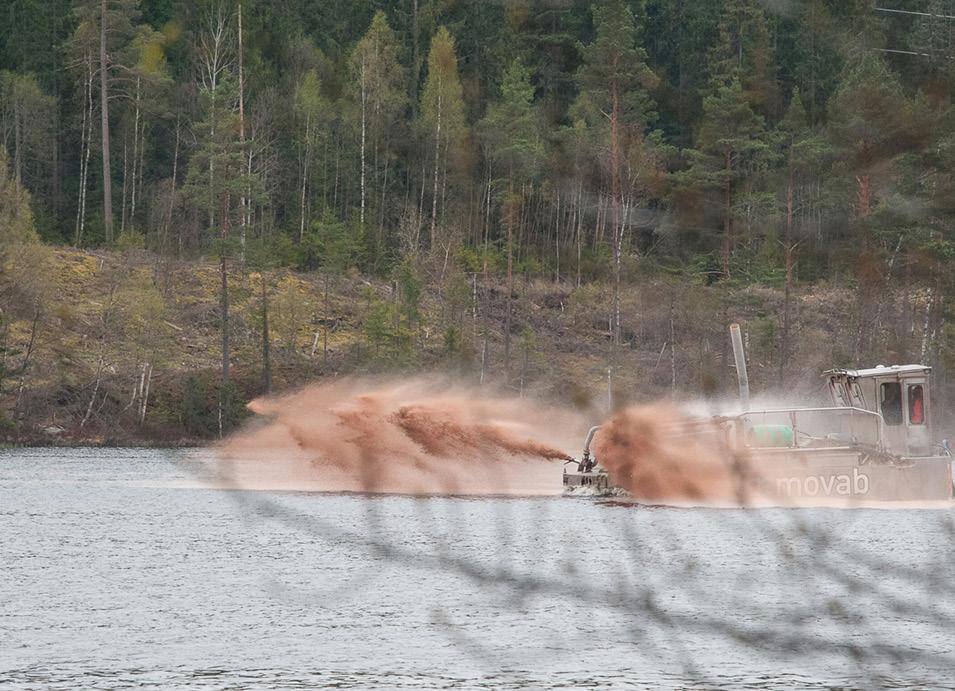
{"x":122,"y":215}
{"x":617,"y":257}
{"x":474,"y":295}
{"x":87,"y":144}
{"x":104,"y":120}
{"x":306,"y":156}
{"x":244,"y":201}
{"x":384,"y":188}
{"x":89,"y":407}
{"x":863,"y":196}
{"x":137,"y":389}
{"x":266,"y":339}
{"x":148,"y":368}
{"x":140,"y":167}
{"x":224,"y":316}
{"x":487,"y":213}
{"x":136,"y":155}
{"x":557,"y":238}
{"x":57,"y":181}
{"x":672,"y":352}
{"x":79,"y":201}
{"x":25,"y":364}
{"x":437,"y":157}
{"x":17,"y":146}
{"x":249,"y":207}
{"x":444,"y":181}
{"x":415,"y":69}
{"x":338,"y":150}
{"x":485,"y":349}
{"x":172,"y":189}
{"x":787,"y":295}
{"x":727,"y":217}
{"x":618,"y":222}
{"x":364,"y":100}
{"x":325,"y":325}
{"x":4,"y":332}
{"x":526,"y":354}
{"x":923,"y":350}
{"x":580,"y":222}
{"x":510,"y":278}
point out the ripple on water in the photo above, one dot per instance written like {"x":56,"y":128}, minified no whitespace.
{"x":120,"y":570}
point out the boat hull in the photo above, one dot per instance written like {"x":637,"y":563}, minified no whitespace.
{"x":858,"y":475}
{"x":787,"y":475}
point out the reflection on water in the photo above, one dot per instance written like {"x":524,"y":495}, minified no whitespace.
{"x":120,"y":569}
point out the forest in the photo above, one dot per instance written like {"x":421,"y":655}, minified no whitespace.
{"x":231,"y":195}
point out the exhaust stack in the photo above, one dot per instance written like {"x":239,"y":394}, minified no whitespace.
{"x":740,"y":356}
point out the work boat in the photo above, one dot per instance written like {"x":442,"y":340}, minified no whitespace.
{"x":874,"y":443}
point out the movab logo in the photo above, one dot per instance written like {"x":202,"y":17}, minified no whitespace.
{"x":828,"y":485}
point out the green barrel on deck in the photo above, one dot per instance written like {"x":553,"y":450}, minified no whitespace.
{"x":770,"y":436}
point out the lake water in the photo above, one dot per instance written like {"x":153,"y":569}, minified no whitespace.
{"x":121,"y":569}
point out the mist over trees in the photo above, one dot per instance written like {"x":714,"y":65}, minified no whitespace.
{"x":466,"y":145}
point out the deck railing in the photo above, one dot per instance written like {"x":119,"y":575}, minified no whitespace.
{"x":832,"y":426}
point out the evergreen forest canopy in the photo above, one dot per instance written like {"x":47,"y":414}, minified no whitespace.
{"x":740,"y":141}
{"x":703,"y":131}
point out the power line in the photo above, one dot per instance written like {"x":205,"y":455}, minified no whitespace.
{"x":920,"y":14}
{"x":902,"y":52}
{"x":917,"y":14}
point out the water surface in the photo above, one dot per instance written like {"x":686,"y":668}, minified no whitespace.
{"x":120,"y":568}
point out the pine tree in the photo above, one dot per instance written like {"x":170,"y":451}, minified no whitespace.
{"x":744,"y":51}
{"x":551,"y":30}
{"x":729,"y":137}
{"x":817,"y":58}
{"x":806,"y":155}
{"x":511,"y":129}
{"x":679,"y":34}
{"x":869,"y":122}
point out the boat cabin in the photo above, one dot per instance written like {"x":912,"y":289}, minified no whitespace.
{"x":900,"y":394}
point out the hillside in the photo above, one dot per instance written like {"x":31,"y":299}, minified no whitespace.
{"x":126,"y":347}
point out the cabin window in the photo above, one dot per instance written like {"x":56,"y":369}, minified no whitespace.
{"x":891,"y":399}
{"x":916,"y":405}
{"x":838,"y":392}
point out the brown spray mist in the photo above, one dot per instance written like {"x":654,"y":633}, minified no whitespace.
{"x":660,"y":454}
{"x":413,"y":436}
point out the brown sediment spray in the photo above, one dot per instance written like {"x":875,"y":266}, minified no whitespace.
{"x":411,"y":436}
{"x":660,"y":454}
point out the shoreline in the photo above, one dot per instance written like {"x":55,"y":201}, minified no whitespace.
{"x":89,"y":443}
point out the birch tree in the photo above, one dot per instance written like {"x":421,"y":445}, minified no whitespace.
{"x":616,"y":80}
{"x":308,"y":110}
{"x":216,"y":177}
{"x":511,"y":134}
{"x":26,"y":128}
{"x":381,"y":86}
{"x":442,"y":110}
{"x":111,"y":23}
